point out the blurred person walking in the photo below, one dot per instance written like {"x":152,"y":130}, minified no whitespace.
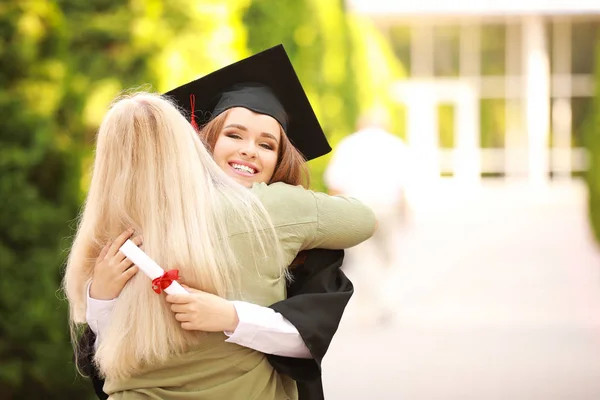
{"x":373,"y":165}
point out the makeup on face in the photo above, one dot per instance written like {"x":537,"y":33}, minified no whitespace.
{"x":247,"y":147}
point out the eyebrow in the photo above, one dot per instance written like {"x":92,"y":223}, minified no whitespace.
{"x":243,"y":128}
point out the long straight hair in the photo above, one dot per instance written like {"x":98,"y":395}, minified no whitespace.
{"x":153,"y":173}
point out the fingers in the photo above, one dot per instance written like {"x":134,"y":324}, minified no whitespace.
{"x":182,"y":317}
{"x":179,"y":308}
{"x":103,"y":251}
{"x":120,"y":257}
{"x":138,"y":240}
{"x":188,"y":326}
{"x":178,"y":298}
{"x":123,"y":265}
{"x":129,"y":273}
{"x":118,"y":242}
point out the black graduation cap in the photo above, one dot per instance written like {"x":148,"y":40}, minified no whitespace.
{"x":265,"y":83}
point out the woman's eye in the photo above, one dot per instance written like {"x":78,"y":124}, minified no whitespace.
{"x":233,"y":135}
{"x":266,"y":146}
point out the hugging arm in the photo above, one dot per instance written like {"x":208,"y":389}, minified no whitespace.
{"x":320,"y":292}
{"x":317,"y":297}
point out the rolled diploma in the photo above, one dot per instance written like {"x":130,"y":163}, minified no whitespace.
{"x":148,"y":266}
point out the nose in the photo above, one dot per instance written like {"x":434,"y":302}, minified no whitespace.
{"x":248,"y":151}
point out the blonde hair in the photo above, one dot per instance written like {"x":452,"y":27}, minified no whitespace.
{"x":153,"y":173}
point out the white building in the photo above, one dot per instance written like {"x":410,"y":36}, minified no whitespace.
{"x":515,"y":76}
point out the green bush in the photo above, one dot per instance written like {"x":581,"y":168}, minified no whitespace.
{"x":61,"y":63}
{"x":592,"y":144}
{"x":38,"y":197}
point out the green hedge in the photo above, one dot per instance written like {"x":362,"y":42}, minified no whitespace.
{"x":592,"y":144}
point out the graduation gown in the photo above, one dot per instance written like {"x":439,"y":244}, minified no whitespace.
{"x":317,"y":297}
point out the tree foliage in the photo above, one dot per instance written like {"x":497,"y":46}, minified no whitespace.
{"x":38,"y":197}
{"x":592,"y":144}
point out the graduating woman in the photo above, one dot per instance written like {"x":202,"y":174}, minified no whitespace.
{"x":254,"y":108}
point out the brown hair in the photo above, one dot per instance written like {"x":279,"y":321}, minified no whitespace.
{"x":291,"y":166}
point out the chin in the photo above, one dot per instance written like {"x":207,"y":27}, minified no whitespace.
{"x":245,"y":182}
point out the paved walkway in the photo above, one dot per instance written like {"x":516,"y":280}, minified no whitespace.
{"x":496,"y":295}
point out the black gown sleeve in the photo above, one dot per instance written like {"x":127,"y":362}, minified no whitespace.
{"x":317,"y":298}
{"x":85,"y":361}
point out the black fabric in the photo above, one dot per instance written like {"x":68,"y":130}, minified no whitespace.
{"x":316,"y":302}
{"x":85,"y":362}
{"x":271,"y":68}
{"x":255,"y":97}
{"x":317,"y":298}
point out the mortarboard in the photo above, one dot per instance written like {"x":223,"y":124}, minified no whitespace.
{"x":265,"y":83}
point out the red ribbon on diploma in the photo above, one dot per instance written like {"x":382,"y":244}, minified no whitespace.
{"x":164,"y":281}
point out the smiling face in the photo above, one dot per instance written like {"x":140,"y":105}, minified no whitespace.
{"x":247,"y":147}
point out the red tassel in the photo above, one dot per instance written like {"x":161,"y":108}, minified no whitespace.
{"x":193,"y":116}
{"x":164,"y":281}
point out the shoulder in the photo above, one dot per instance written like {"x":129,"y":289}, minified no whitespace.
{"x":277,"y":187}
{"x":294,"y":201}
{"x":280,"y":191}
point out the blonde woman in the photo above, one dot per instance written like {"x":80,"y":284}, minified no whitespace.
{"x":153,"y":173}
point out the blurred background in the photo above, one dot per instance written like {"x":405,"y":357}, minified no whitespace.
{"x":492,"y":289}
